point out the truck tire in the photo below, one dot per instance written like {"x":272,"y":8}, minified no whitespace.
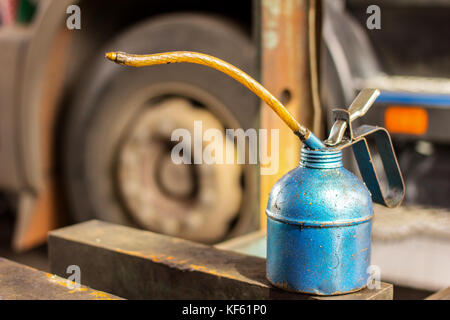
{"x":107,"y":116}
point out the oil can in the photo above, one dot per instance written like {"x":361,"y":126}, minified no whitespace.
{"x":319,"y":215}
{"x":319,"y":218}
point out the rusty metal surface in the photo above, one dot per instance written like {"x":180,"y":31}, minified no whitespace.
{"x":19,"y":282}
{"x":286,"y":72}
{"x":138,"y":264}
{"x":37,"y":211}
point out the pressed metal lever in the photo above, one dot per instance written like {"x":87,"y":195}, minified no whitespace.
{"x":357,"y":109}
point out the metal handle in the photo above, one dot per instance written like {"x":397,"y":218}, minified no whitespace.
{"x":357,"y":109}
{"x":362,"y":103}
{"x":394,"y":192}
{"x":342,"y":135}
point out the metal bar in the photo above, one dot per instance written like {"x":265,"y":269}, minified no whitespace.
{"x":286,"y":72}
{"x":19,"y":282}
{"x":138,"y":264}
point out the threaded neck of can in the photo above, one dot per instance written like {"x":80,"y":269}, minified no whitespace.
{"x":321,"y":159}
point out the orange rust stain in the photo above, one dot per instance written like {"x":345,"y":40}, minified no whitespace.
{"x":63,"y":282}
{"x":154,"y":258}
{"x":205,"y":269}
{"x":101,"y":295}
{"x":81,"y":289}
{"x":210,"y":271}
{"x":138,"y":254}
{"x":68,"y":284}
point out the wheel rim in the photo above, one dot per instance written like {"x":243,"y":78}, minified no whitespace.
{"x":196,"y":202}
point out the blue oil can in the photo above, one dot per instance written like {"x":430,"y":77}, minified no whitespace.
{"x":319,"y":215}
{"x":319,"y":219}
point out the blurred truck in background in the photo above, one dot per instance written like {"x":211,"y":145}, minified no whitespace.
{"x":83,"y":139}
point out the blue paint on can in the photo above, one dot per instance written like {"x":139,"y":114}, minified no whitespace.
{"x":319,"y":219}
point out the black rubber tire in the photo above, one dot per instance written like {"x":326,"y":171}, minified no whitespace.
{"x":99,"y":113}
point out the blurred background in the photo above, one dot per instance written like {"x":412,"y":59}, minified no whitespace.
{"x":81,"y":138}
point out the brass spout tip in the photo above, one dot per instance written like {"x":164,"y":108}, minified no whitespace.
{"x":111,"y":56}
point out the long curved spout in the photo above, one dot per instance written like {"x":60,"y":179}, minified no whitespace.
{"x":308,"y":138}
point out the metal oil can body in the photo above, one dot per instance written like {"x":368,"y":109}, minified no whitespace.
{"x":319,"y":219}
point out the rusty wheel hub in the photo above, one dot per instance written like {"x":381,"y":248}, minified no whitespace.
{"x":196,"y":202}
